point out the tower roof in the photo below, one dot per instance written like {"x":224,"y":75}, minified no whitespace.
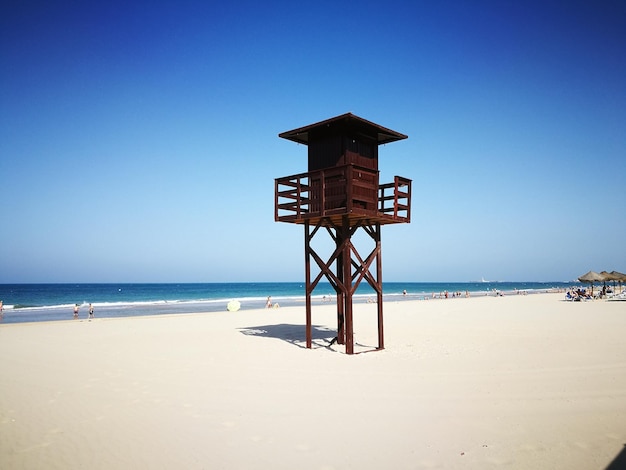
{"x":346,"y":122}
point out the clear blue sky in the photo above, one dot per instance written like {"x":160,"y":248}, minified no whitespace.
{"x":138,"y":140}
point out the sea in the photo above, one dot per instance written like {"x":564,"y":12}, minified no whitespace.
{"x":52,"y":302}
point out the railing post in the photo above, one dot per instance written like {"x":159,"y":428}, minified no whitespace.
{"x":276,"y":200}
{"x":300,"y":203}
{"x":395,"y":197}
{"x":408,"y":201}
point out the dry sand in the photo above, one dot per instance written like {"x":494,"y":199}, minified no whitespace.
{"x":518,"y":382}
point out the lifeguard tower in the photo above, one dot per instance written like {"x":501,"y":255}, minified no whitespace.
{"x":341,"y":194}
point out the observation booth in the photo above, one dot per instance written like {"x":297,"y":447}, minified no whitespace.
{"x":340,"y":194}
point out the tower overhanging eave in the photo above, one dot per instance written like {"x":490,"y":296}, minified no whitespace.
{"x":355,"y":123}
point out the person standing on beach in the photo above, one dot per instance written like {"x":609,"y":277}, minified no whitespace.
{"x":269,"y":302}
{"x":75,"y":310}
{"x":90,"y":311}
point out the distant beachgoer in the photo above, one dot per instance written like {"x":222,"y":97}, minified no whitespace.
{"x":90,"y":311}
{"x":404,"y":292}
{"x":269,"y":302}
{"x":75,"y":310}
{"x":1,"y":306}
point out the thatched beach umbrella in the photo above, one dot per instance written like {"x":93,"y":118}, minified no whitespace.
{"x":606,"y":277}
{"x":590,"y":278}
{"x":619,"y":277}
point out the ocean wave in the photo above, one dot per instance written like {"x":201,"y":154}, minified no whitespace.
{"x":152,"y":303}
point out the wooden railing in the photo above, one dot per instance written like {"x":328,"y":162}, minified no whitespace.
{"x":395,"y":198}
{"x":346,"y":189}
{"x":291,"y":196}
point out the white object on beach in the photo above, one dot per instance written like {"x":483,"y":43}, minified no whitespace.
{"x":233,"y":306}
{"x":620,"y":296}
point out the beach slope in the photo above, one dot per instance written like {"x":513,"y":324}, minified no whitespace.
{"x":512,"y":382}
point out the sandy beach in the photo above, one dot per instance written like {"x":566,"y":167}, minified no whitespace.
{"x":514,"y":382}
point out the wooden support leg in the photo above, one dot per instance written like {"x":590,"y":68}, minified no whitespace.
{"x":308,"y":287}
{"x":347,"y":284}
{"x":341,"y":333}
{"x":379,"y":282}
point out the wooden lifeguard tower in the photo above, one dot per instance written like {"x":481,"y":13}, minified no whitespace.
{"x":341,"y":194}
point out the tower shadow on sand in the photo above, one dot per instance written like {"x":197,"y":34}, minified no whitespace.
{"x":322,"y":337}
{"x":293,"y":334}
